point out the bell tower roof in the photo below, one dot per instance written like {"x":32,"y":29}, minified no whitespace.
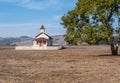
{"x":42,"y":27}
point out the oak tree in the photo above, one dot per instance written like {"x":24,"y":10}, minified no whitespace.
{"x":91,"y":21}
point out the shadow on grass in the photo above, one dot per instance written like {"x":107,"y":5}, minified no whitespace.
{"x":108,"y":55}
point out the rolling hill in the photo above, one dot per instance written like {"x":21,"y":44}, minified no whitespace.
{"x":27,"y":41}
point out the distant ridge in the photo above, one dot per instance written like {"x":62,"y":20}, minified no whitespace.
{"x":59,"y":40}
{"x":25,"y":37}
{"x":26,"y":40}
{"x":10,"y":40}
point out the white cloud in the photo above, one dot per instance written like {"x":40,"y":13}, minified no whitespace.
{"x":57,"y":17}
{"x":8,"y":0}
{"x":21,"y":25}
{"x":33,"y":4}
{"x":41,"y":4}
{"x":29,"y":29}
{"x":31,"y":25}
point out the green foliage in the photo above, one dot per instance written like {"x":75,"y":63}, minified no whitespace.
{"x":90,"y":21}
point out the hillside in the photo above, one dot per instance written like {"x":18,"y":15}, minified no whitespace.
{"x":25,"y":40}
{"x":11,"y":40}
{"x":59,"y":40}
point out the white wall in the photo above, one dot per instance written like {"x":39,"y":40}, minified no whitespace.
{"x":37,"y":48}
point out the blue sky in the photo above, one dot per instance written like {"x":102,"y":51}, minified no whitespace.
{"x":24,"y":17}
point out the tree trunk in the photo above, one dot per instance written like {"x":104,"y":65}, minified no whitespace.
{"x":114,"y":49}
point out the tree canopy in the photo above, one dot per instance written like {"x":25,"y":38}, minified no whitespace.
{"x":91,"y":21}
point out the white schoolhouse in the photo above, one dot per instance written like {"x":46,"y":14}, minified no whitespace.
{"x":41,"y":42}
{"x":42,"y":39}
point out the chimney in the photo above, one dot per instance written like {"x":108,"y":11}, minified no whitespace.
{"x":42,"y":29}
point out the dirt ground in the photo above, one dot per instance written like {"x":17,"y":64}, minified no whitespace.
{"x":81,"y":64}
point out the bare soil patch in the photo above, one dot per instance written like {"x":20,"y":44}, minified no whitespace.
{"x":81,"y":64}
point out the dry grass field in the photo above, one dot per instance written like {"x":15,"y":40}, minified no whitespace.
{"x":83,"y":64}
